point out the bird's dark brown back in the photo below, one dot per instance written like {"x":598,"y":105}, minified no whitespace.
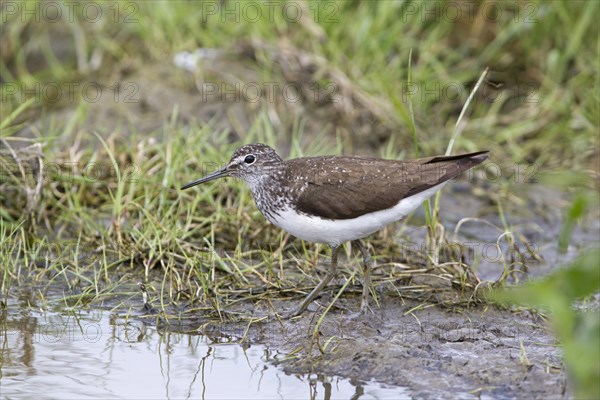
{"x":348,"y":187}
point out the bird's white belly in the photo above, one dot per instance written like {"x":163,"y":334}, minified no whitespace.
{"x":335,"y":232}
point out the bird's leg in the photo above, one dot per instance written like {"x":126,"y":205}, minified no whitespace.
{"x":364,"y":303}
{"x":320,"y":286}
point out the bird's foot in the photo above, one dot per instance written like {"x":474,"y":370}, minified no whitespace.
{"x":365,"y":308}
{"x":291,"y":314}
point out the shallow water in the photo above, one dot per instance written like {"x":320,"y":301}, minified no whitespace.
{"x":93,"y":354}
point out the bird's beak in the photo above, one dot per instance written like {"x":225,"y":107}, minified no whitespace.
{"x":215,"y":175}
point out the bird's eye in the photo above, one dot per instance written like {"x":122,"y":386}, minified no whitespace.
{"x":249,"y":159}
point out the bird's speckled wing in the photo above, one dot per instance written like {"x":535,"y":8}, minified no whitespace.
{"x":347,"y":187}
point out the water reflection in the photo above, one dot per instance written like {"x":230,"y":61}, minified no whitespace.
{"x":92,"y":354}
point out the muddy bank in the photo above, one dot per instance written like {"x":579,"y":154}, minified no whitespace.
{"x":435,"y":352}
{"x":471,"y":353}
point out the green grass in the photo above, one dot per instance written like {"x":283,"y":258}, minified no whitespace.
{"x":117,"y":215}
{"x":542,"y":48}
{"x":372,"y":56}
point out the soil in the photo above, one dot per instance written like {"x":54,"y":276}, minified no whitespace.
{"x":435,"y":353}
